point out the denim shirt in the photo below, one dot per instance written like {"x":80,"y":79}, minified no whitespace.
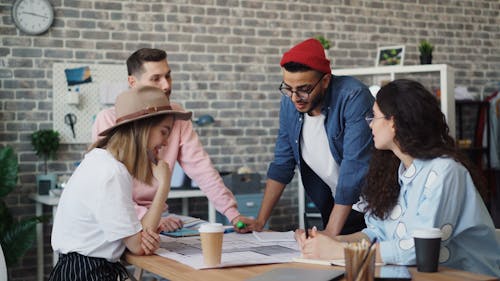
{"x":347,"y":102}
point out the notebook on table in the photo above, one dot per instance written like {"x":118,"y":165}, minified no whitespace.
{"x":182,"y":232}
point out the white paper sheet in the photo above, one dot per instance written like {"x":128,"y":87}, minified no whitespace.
{"x":190,"y":222}
{"x":108,"y":91}
{"x":237,"y":250}
{"x":274,"y":236}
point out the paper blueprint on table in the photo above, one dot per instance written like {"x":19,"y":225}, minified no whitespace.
{"x":237,"y":250}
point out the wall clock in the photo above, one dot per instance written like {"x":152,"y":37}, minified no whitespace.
{"x":32,"y":16}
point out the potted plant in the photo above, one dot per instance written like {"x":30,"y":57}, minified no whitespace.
{"x":324,"y":42}
{"x":16,"y":237}
{"x":425,"y":49}
{"x":46,"y":144}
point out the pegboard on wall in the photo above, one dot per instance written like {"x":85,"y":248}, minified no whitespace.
{"x":89,"y":102}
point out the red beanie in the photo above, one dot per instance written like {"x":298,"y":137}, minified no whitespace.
{"x":310,"y":53}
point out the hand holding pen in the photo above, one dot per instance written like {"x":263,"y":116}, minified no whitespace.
{"x":306,"y":225}
{"x":243,"y":224}
{"x":302,"y":235}
{"x":318,"y":245}
{"x":308,"y":231}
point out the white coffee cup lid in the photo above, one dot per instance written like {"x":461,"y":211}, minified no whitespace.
{"x":427,"y":233}
{"x":211,"y":227}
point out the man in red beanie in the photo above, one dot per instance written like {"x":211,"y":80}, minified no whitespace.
{"x":324,"y":133}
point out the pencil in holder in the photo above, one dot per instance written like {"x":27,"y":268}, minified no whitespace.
{"x":359,"y":261}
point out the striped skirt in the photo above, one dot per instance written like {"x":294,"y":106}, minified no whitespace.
{"x":73,"y":266}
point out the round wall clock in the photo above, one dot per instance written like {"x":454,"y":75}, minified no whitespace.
{"x":32,"y":16}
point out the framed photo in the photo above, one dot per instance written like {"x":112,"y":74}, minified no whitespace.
{"x":392,"y":55}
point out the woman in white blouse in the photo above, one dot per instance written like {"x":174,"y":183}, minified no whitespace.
{"x":96,"y":219}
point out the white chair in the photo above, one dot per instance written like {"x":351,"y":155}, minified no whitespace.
{"x":3,"y":266}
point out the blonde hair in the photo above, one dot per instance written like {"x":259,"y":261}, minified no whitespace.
{"x":128,"y":144}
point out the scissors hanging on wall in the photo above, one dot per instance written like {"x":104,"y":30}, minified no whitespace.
{"x":70,"y":120}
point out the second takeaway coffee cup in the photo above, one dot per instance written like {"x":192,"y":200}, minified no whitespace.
{"x":427,"y":247}
{"x":211,"y":235}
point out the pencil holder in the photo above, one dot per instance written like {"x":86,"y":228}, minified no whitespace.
{"x":359,"y":261}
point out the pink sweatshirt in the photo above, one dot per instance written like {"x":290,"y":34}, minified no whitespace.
{"x":185,"y":147}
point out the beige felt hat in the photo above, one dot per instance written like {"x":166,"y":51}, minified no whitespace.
{"x":140,"y":103}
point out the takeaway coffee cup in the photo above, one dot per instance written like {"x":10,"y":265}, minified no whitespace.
{"x":427,"y":246}
{"x":211,"y":235}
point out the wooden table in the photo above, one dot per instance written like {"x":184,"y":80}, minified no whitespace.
{"x":175,"y":271}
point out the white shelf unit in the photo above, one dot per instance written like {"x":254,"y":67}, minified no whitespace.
{"x":446,"y":85}
{"x":446,"y":82}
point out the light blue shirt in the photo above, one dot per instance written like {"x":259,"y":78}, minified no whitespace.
{"x":439,"y":193}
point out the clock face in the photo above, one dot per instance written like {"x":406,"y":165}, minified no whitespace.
{"x":33,"y":16}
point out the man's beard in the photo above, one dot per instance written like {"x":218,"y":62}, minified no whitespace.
{"x":316,"y":101}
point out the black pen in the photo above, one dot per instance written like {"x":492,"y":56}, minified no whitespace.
{"x":306,"y":225}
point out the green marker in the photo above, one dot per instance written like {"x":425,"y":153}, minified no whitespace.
{"x":240,"y":225}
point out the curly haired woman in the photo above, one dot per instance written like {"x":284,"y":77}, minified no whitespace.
{"x":417,"y":178}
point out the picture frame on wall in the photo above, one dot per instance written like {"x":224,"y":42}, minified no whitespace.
{"x":390,"y":56}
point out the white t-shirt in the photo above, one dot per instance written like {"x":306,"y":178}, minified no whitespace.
{"x":316,"y":152}
{"x":96,"y":210}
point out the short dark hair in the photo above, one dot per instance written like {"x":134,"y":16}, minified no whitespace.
{"x":296,"y":67}
{"x":299,"y":67}
{"x":139,"y":57}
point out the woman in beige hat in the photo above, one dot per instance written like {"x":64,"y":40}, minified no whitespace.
{"x":96,"y":219}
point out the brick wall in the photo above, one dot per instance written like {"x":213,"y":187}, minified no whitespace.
{"x":224,"y":55}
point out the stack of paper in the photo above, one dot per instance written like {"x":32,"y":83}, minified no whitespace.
{"x":237,"y":250}
{"x":190,"y":227}
{"x":274,"y":236}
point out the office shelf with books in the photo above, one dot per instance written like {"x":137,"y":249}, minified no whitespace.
{"x":473,"y":138}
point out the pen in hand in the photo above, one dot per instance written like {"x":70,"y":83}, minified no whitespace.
{"x":306,"y":225}
{"x":240,"y":225}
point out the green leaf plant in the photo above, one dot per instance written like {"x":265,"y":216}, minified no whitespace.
{"x":324,"y":42}
{"x":425,"y":48}
{"x":46,"y":144}
{"x":16,"y":237}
